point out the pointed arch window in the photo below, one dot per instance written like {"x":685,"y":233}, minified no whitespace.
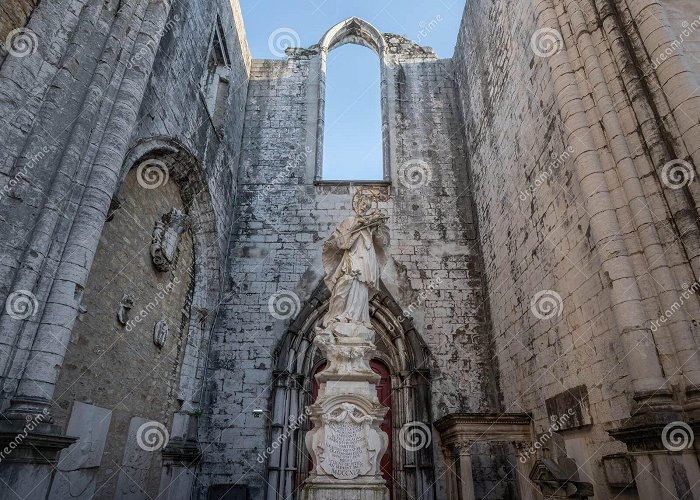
{"x":352,"y":141}
{"x":352,"y":145}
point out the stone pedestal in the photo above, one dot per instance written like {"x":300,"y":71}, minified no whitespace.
{"x":346,"y":443}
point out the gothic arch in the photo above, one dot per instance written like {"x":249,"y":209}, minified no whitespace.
{"x":360,"y":32}
{"x":296,"y":359}
{"x":187,"y":171}
{"x":353,"y":30}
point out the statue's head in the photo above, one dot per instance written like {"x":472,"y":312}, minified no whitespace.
{"x":365,"y":202}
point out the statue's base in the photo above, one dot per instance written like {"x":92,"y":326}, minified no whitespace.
{"x":320,"y":488}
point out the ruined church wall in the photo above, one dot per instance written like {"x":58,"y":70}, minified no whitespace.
{"x":534,"y":232}
{"x":55,"y":103}
{"x":283,"y":218}
{"x":174,"y":105}
{"x":539,"y":216}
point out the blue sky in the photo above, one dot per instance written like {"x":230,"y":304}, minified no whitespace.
{"x":352,"y":143}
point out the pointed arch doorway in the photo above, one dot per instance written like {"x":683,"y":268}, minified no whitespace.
{"x":401,"y":360}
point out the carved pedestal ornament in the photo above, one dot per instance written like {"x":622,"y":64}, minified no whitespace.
{"x":165,"y":239}
{"x":160,"y":333}
{"x":346,"y":443}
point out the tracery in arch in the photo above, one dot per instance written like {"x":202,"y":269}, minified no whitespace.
{"x":353,"y":30}
{"x":296,"y":359}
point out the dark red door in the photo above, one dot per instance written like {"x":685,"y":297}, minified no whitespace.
{"x":384,"y":395}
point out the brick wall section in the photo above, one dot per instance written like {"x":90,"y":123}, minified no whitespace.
{"x":534,"y":224}
{"x":281,"y":226}
{"x":143,"y":378}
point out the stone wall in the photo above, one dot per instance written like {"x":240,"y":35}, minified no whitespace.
{"x":143,"y":377}
{"x":107,"y":85}
{"x":283,"y":219}
{"x":539,"y":216}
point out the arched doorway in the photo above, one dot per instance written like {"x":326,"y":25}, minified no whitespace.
{"x":402,"y":361}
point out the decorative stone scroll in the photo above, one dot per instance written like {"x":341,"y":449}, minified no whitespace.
{"x":165,"y":239}
{"x":348,"y":447}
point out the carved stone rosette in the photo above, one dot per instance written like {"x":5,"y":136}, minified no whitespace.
{"x":165,"y":239}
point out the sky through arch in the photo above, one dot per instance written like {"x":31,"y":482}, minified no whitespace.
{"x":272,"y":25}
{"x":352,"y":143}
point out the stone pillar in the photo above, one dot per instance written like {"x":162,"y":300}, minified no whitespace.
{"x":664,"y":460}
{"x":37,"y":383}
{"x":452,"y":474}
{"x":346,"y":443}
{"x":466,"y":479}
{"x":651,"y":390}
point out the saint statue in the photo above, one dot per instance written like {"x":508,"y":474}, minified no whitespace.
{"x":353,"y":258}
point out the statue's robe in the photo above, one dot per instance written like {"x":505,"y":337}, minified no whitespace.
{"x":353,"y":263}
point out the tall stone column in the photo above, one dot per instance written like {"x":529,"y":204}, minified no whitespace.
{"x":346,"y":443}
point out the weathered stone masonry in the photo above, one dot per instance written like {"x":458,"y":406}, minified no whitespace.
{"x":533,"y":163}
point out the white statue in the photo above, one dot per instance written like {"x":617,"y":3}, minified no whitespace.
{"x":346,"y":442}
{"x":353,"y":258}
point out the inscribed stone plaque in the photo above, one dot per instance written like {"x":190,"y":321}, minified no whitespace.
{"x":346,"y":450}
{"x":136,"y":463}
{"x":77,"y":463}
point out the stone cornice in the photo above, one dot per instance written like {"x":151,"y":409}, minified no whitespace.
{"x":460,"y":428}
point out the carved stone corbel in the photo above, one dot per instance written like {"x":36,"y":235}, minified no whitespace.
{"x":125,"y":305}
{"x":165,"y":239}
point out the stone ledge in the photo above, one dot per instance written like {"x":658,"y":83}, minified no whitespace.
{"x":457,"y":427}
{"x":37,"y":447}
